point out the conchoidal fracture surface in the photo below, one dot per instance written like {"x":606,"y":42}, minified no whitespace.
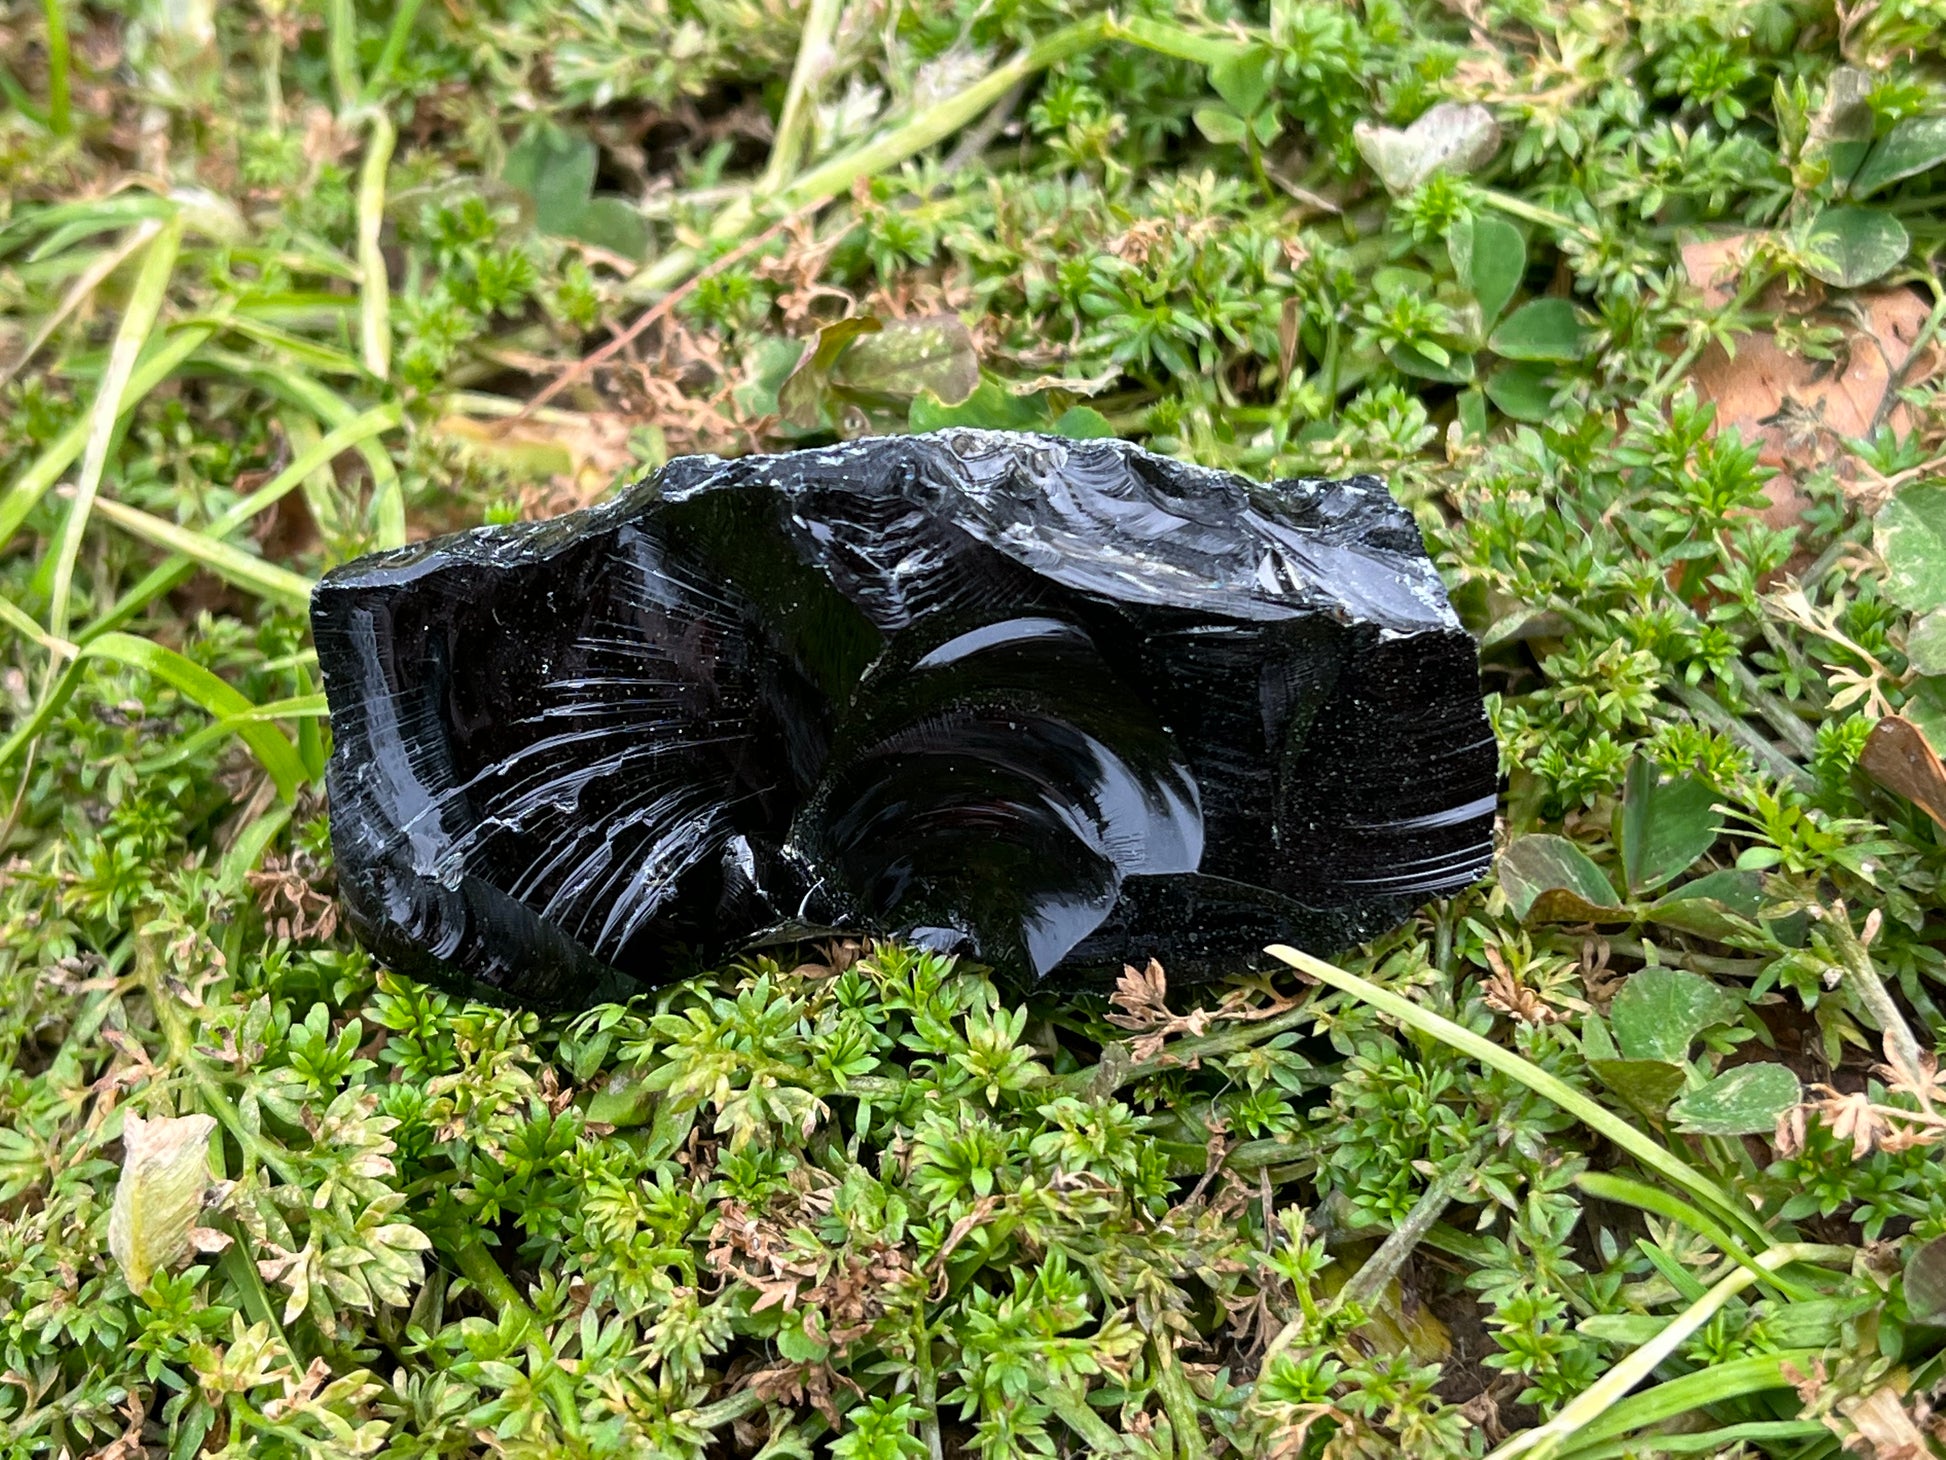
{"x":1629,"y":1148}
{"x":1061,"y":706}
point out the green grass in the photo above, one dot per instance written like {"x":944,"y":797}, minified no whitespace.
{"x":1629,"y":1151}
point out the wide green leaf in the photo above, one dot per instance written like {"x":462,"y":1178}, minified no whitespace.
{"x":612,"y":223}
{"x":1523,"y":390}
{"x":1910,"y":534}
{"x":1925,"y":1283}
{"x":1744,"y":1101}
{"x":1925,"y":643}
{"x":1454,"y":370}
{"x":1550,"y":879}
{"x":1083,"y":423}
{"x":1497,"y":264}
{"x":1542,"y":329}
{"x":1666,"y":825}
{"x":802,"y":398}
{"x":907,"y":357}
{"x":556,"y":169}
{"x":1914,"y":145}
{"x":1854,"y":246}
{"x":1660,"y":1011}
{"x":1645,"y":1085}
{"x":1220,"y":125}
{"x":1243,"y":79}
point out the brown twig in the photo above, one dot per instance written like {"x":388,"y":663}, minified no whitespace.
{"x":654,"y":314}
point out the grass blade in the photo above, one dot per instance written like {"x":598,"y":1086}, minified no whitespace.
{"x":395,"y":39}
{"x":311,"y":458}
{"x":177,"y":569}
{"x":814,"y":59}
{"x":270,"y":745}
{"x":1534,"y":1078}
{"x":144,"y":305}
{"x":334,"y":410}
{"x":85,"y":284}
{"x":1725,"y":1441}
{"x":341,"y":50}
{"x":232,"y":564}
{"x":25,"y":494}
{"x":60,"y":110}
{"x":1606,"y":1392}
{"x":301,"y":708}
{"x":23,"y":624}
{"x":1605,"y":1187}
{"x":1718,"y":1384}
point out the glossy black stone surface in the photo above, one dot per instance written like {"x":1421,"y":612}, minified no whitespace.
{"x":1059,"y":704}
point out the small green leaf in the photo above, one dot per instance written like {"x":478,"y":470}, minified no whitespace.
{"x":905,"y":358}
{"x":1925,"y":1283}
{"x":1551,"y":878}
{"x":1523,"y":391}
{"x":1221,"y":125}
{"x":1423,"y":360}
{"x":1542,"y":329}
{"x":1666,"y":825}
{"x":1855,"y":246}
{"x":797,"y":1343}
{"x":555,"y":168}
{"x":1243,"y":80}
{"x":1660,"y":1011}
{"x":991,"y":407}
{"x":612,"y":223}
{"x":1745,"y":1101}
{"x":801,"y":399}
{"x":1913,"y":146}
{"x":1910,"y":536}
{"x":1646,"y":1085}
{"x":1083,"y":423}
{"x":622,"y":1101}
{"x":1925,"y":644}
{"x":1497,"y":265}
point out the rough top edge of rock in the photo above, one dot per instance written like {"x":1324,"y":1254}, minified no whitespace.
{"x":1343,"y":554}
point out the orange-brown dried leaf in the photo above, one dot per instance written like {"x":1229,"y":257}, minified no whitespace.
{"x":1799,"y":411}
{"x":1898,"y":756}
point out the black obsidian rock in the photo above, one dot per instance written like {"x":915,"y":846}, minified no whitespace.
{"x":1060,"y":704}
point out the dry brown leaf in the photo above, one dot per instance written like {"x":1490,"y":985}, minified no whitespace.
{"x":1881,"y":1427}
{"x":1897,"y":756}
{"x":1141,"y":997}
{"x":1715,"y":265}
{"x":1797,"y":409}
